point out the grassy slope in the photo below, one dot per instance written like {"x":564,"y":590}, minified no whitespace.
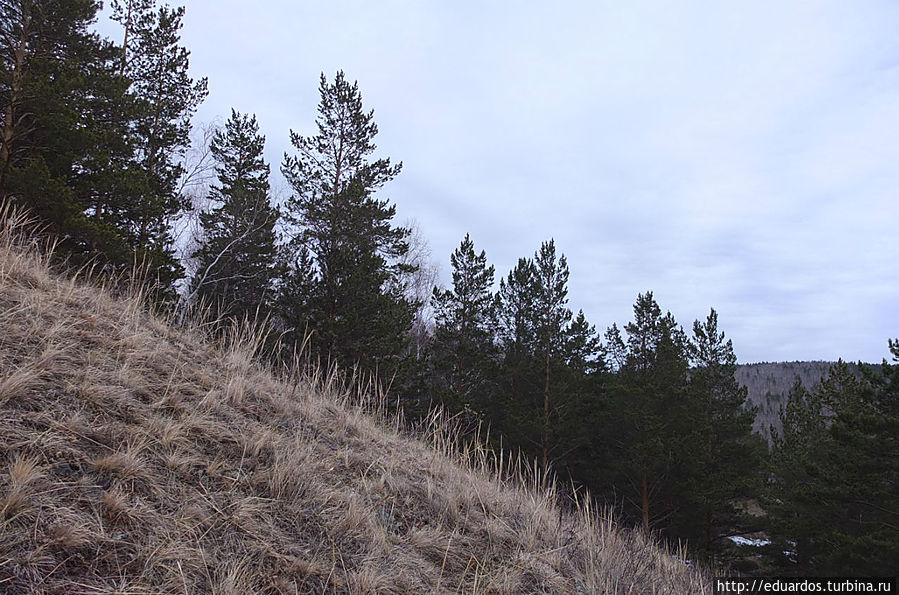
{"x":136,"y":458}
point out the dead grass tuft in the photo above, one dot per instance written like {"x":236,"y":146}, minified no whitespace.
{"x":15,"y":502}
{"x":119,"y":465}
{"x":68,"y":535}
{"x":142,"y":458}
{"x":25,"y":471}
{"x":17,"y":384}
{"x":17,"y":497}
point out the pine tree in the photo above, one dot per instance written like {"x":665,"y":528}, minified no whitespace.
{"x":653,"y":417}
{"x":520,"y":391}
{"x":359,"y":314}
{"x":56,"y":81}
{"x":113,"y":202}
{"x":834,"y":491}
{"x":463,"y":345}
{"x":551,"y":290}
{"x":578,"y":389}
{"x":91,"y":132}
{"x":549,"y":361}
{"x":613,"y":349}
{"x":872,"y":429}
{"x":136,"y":18}
{"x":729,"y":459}
{"x":164,"y":98}
{"x":605,"y":472}
{"x":237,"y":256}
{"x":582,"y":352}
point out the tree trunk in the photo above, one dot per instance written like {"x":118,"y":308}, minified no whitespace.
{"x":124,"y":64}
{"x":708,"y":469}
{"x":9,"y":116}
{"x":460,"y":371}
{"x":644,"y":489}
{"x":545,"y":440}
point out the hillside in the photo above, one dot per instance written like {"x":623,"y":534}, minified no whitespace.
{"x":138,"y":458}
{"x":768,"y":385}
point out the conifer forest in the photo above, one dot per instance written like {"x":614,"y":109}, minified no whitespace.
{"x":98,"y":143}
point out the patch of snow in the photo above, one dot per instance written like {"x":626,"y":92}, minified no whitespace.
{"x":746,"y":541}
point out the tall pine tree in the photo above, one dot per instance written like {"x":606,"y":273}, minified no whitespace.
{"x":653,"y":425}
{"x":237,"y":255}
{"x":551,"y":291}
{"x":578,"y":383}
{"x":356,"y":310}
{"x":730,"y":455}
{"x":520,"y":393}
{"x":57,"y":80}
{"x":165,"y":98}
{"x":462,"y":352}
{"x":549,"y":361}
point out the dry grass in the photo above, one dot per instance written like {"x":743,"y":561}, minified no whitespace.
{"x":137,"y":458}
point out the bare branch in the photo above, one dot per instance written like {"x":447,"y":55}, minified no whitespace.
{"x":198,"y":164}
{"x":188,"y":298}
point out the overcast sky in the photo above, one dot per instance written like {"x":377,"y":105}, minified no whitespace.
{"x":743,"y":156}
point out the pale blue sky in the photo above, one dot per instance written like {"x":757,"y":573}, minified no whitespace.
{"x":737,"y":155}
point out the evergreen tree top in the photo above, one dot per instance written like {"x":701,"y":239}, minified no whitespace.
{"x":334,"y":181}
{"x":337,"y":156}
{"x":552,"y":290}
{"x":651,"y":334}
{"x":709,"y":346}
{"x":238,"y":152}
{"x":469,"y":304}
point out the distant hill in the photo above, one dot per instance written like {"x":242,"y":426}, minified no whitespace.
{"x":769,"y":384}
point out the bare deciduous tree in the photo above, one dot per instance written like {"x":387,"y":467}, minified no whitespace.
{"x":418,"y":285}
{"x":199,"y":174}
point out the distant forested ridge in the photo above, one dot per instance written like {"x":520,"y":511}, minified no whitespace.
{"x":768,"y":385}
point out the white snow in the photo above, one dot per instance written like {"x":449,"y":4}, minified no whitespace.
{"x":746,"y":541}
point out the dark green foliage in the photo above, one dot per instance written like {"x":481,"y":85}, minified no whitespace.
{"x":520,"y":384}
{"x":92,"y":132}
{"x":552,"y":315}
{"x":549,"y":362}
{"x":462,"y":351}
{"x":652,"y":431}
{"x":56,"y":84}
{"x":578,"y":385}
{"x":835,"y":480}
{"x":356,"y":309}
{"x":295,"y":300}
{"x":516,"y":310}
{"x":728,"y":461}
{"x":613,"y":349}
{"x":237,"y":256}
{"x":163,"y":99}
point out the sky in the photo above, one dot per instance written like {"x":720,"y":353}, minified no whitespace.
{"x":736,"y":155}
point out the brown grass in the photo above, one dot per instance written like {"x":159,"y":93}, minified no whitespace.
{"x":139,"y":458}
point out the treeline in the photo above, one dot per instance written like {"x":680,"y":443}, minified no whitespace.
{"x":93,"y":131}
{"x":833,"y":497}
{"x":649,"y":418}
